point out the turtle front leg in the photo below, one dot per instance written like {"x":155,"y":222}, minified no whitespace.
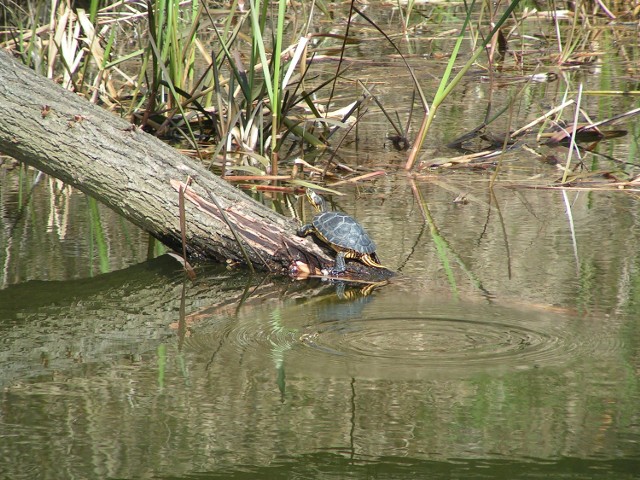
{"x":305,"y":230}
{"x":340,"y":266}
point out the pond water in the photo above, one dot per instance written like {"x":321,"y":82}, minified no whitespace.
{"x":508,"y":345}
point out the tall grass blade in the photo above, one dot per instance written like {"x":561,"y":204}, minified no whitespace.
{"x":445,"y":88}
{"x":257,"y":30}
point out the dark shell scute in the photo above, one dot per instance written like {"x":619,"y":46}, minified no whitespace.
{"x":344,"y":232}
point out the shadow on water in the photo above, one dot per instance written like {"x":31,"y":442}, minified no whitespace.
{"x":329,"y":465}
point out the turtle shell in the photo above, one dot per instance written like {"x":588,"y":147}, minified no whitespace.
{"x":343,"y":233}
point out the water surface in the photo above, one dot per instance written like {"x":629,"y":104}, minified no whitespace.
{"x":527,"y":367}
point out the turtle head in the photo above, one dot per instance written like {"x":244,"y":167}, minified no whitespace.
{"x":316,"y":200}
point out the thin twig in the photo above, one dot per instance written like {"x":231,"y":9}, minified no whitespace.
{"x":523,"y":130}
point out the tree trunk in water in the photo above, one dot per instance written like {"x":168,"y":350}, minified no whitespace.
{"x":138,"y":176}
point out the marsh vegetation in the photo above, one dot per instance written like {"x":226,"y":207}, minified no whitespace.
{"x":489,"y":148}
{"x":267,"y":94}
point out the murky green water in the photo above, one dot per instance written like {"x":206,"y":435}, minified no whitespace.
{"x":507,"y":347}
{"x":523,"y":364}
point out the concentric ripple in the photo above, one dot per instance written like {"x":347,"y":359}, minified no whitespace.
{"x":442,"y":341}
{"x":406,"y":338}
{"x":424,"y":340}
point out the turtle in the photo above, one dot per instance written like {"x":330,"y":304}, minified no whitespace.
{"x":342,"y":233}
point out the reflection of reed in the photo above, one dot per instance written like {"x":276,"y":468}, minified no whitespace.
{"x":59,"y":200}
{"x":48,"y":229}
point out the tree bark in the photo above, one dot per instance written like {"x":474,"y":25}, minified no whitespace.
{"x":137,"y":175}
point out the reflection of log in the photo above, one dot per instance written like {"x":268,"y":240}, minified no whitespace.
{"x":54,"y":326}
{"x":131,"y":172}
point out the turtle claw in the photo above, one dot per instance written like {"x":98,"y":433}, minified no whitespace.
{"x":340,"y":266}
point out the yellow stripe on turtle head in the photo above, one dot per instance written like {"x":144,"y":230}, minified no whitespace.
{"x":316,"y":200}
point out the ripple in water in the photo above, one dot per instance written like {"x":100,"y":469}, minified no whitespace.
{"x":423,"y":341}
{"x":437,"y":341}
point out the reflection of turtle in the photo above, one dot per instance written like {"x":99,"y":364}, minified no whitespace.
{"x":342,"y":233}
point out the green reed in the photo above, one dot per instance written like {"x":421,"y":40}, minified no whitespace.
{"x":447,"y":84}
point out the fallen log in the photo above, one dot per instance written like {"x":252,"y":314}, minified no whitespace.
{"x":135,"y":174}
